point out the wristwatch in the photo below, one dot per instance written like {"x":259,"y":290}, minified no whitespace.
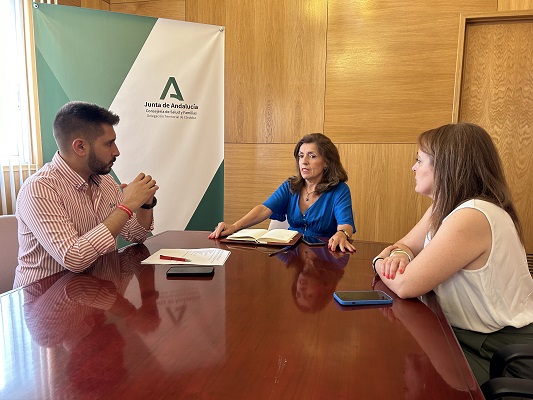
{"x":346,"y":233}
{"x":150,"y":206}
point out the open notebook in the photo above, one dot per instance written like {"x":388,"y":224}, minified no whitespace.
{"x":264,"y":236}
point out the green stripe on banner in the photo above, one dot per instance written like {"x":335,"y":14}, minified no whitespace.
{"x":210,"y":210}
{"x":51,"y":98}
{"x":90,"y":53}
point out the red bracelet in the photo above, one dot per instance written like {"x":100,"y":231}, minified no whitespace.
{"x":125,"y":209}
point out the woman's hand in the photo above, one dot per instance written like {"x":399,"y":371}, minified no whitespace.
{"x":393,"y":261}
{"x":256,"y":215}
{"x":222,"y":229}
{"x":339,"y":239}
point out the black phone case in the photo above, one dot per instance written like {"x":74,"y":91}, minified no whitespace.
{"x":321,"y":243}
{"x":188,"y":271}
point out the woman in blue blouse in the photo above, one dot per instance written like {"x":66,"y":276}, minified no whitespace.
{"x":315,"y":202}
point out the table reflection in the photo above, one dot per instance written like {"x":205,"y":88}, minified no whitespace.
{"x":316,"y":274}
{"x":432,"y":366}
{"x":77,"y":315}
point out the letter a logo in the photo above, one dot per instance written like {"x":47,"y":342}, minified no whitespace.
{"x":172,"y":82}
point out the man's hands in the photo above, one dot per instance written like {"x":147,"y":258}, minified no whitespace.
{"x":139,"y":191}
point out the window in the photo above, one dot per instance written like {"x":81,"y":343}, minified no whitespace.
{"x":15,"y":135}
{"x":19,"y":154}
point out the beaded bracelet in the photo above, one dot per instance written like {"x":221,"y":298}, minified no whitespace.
{"x":125,"y":209}
{"x":400,"y":251}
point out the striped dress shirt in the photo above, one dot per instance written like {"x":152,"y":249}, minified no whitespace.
{"x":61,"y":227}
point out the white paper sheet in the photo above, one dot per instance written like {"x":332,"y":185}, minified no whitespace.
{"x":208,"y":256}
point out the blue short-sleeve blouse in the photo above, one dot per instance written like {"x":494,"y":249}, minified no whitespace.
{"x":331,"y":209}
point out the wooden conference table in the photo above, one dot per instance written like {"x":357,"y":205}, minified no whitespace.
{"x":262,"y":328}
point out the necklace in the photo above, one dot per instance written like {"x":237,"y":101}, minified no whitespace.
{"x":308,"y":194}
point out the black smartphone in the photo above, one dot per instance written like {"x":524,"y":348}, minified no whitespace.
{"x":313,"y":241}
{"x":190,"y":270}
{"x":362,"y":297}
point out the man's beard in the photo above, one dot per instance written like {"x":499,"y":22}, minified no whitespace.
{"x":97,"y":166}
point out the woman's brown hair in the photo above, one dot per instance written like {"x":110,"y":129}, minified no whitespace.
{"x":466,"y":166}
{"x":334,"y":172}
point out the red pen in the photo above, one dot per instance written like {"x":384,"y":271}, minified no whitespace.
{"x":162,"y":257}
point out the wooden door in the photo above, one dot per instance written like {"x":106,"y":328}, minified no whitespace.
{"x":494,"y":89}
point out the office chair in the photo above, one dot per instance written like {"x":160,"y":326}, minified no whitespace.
{"x":9,"y":248}
{"x":500,"y":386}
{"x":275,"y":224}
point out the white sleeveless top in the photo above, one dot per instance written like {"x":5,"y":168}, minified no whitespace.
{"x":501,"y":292}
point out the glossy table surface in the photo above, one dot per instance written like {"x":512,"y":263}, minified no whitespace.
{"x":262,"y":328}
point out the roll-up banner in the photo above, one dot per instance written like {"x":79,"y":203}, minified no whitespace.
{"x":164,"y":78}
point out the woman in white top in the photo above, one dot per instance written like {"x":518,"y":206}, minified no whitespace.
{"x":468,"y":246}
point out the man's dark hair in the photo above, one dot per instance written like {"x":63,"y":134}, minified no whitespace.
{"x":79,"y":118}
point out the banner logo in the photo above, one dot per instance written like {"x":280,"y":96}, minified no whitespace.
{"x":171,"y":109}
{"x":172,"y":82}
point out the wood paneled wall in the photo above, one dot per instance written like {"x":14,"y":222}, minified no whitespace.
{"x":368,"y":75}
{"x":94,"y":4}
{"x":171,"y":9}
{"x":371,"y":75}
{"x":155,"y":8}
{"x":391,"y":68}
{"x":275,"y":66}
{"x":514,"y":5}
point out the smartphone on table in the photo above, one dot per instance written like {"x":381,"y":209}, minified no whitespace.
{"x":362,"y":297}
{"x":313,"y":241}
{"x":190,"y":271}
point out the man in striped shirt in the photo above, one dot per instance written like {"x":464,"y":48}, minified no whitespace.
{"x":71,"y":211}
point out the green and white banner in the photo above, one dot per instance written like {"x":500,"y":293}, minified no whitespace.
{"x":164,"y":78}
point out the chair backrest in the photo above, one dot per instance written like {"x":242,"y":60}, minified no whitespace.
{"x":9,"y":248}
{"x":500,"y":385}
{"x":275,"y":224}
